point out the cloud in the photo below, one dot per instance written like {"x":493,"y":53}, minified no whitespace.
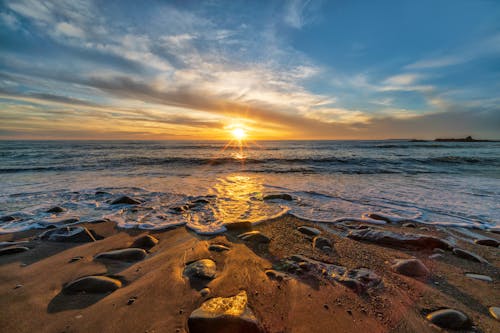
{"x":69,"y":30}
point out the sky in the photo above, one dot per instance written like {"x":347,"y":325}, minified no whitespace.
{"x":147,"y":70}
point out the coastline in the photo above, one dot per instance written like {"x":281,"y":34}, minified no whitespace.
{"x":284,"y":300}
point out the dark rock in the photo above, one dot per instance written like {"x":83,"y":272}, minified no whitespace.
{"x":102,"y":193}
{"x":409,"y":225}
{"x":494,"y":312}
{"x":8,"y":244}
{"x":487,"y":242}
{"x":8,"y":218}
{"x":130,"y":254}
{"x":239,"y":226}
{"x":282,"y":196}
{"x":93,"y":284}
{"x":469,"y":255}
{"x":205,"y":292}
{"x":13,"y":250}
{"x":55,"y":209}
{"x":131,"y":300}
{"x":145,"y":242}
{"x":202,"y":269}
{"x":125,"y":200}
{"x":68,"y":234}
{"x":480,"y":277}
{"x":322,"y":243}
{"x":450,"y":319}
{"x":75,"y":259}
{"x":254,"y":237}
{"x":309,"y":230}
{"x":276,"y":275}
{"x":218,"y":247}
{"x":224,"y":315}
{"x":410,"y":267}
{"x":395,"y":239}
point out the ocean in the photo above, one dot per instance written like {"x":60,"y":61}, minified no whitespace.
{"x":444,"y":183}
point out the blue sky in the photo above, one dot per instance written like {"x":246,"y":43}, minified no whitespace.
{"x":279,"y":69}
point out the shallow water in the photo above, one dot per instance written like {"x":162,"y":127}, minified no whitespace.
{"x":429,"y":182}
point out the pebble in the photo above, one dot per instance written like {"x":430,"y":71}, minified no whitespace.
{"x":282,"y":196}
{"x":495,"y":312}
{"x":487,"y":242}
{"x":125,"y":200}
{"x":202,"y":269}
{"x":479,"y":277}
{"x":18,"y":286}
{"x":309,"y":230}
{"x":409,"y":225}
{"x":131,"y":300}
{"x":68,"y":234}
{"x":410,"y":267}
{"x":129,"y":254}
{"x":205,"y":292}
{"x":449,"y":318}
{"x":55,"y":209}
{"x":254,"y":237}
{"x":322,"y":243}
{"x":435,"y":256}
{"x":405,"y":240}
{"x":93,"y":284}
{"x":145,"y":242}
{"x":218,"y":247}
{"x":13,"y":250}
{"x":74,"y":259}
{"x":469,"y":255}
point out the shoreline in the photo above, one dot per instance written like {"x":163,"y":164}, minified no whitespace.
{"x":156,"y":296}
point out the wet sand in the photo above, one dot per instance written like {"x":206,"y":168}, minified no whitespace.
{"x":156,"y":296}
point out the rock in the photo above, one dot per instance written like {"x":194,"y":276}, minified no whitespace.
{"x":13,"y":250}
{"x":125,"y":200}
{"x":8,"y":244}
{"x":205,"y":292}
{"x":322,"y":243}
{"x":282,"y":196}
{"x":409,"y":225}
{"x":438,"y":250}
{"x":55,"y":209}
{"x":495,"y":312}
{"x":435,"y":256}
{"x":102,"y":193}
{"x":410,"y":267}
{"x":309,"y":230}
{"x":75,"y":259}
{"x":93,"y":284}
{"x":479,"y":277}
{"x":131,"y":300}
{"x":239,"y":226}
{"x":487,"y":242}
{"x":254,"y":237}
{"x":202,"y":269}
{"x":145,"y":242}
{"x":130,"y":254}
{"x":218,"y":247}
{"x":395,"y":239}
{"x":7,"y":218}
{"x":18,"y":286}
{"x":276,"y":275}
{"x":469,"y":255}
{"x":224,"y":315}
{"x":68,"y":234}
{"x":450,"y":319}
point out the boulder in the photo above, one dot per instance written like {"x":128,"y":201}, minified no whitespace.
{"x":309,"y":230}
{"x":449,"y":319}
{"x":125,"y":200}
{"x":68,"y":234}
{"x":130,"y":254}
{"x":145,"y":242}
{"x":55,"y":209}
{"x":224,"y":315}
{"x":395,"y":239}
{"x":93,"y":284}
{"x":255,"y":237}
{"x":13,"y":250}
{"x":202,"y":269}
{"x":487,"y":242}
{"x":469,"y":255}
{"x":410,"y":267}
{"x":281,"y":196}
{"x":322,"y":243}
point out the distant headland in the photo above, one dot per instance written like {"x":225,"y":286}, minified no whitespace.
{"x":466,"y":139}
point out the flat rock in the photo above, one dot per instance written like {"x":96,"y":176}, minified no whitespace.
{"x":218,"y":247}
{"x":495,"y":312}
{"x":282,"y":196}
{"x":395,"y":239}
{"x":309,"y":230}
{"x":450,"y":319}
{"x":13,"y":250}
{"x":145,"y":242}
{"x":129,"y":254}
{"x":55,"y":209}
{"x":410,"y":267}
{"x":125,"y":200}
{"x":68,"y":234}
{"x":322,"y":243}
{"x":93,"y":284}
{"x":469,"y":255}
{"x":202,"y":269}
{"x":479,"y":277}
{"x":254,"y":237}
{"x":487,"y":242}
{"x":224,"y":315}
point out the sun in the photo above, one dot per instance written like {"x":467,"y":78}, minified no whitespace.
{"x":239,"y":133}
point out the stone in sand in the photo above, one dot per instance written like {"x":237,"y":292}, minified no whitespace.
{"x":218,"y":247}
{"x":254,"y":237}
{"x":395,"y":239}
{"x":322,"y":243}
{"x":409,"y":225}
{"x":202,"y":269}
{"x":276,"y":275}
{"x":205,"y":292}
{"x":7,"y":218}
{"x":450,"y":319}
{"x":224,"y":315}
{"x":479,"y":277}
{"x":13,"y":250}
{"x":410,"y":267}
{"x":130,"y":254}
{"x":55,"y":209}
{"x":145,"y":242}
{"x":125,"y":200}
{"x":282,"y":196}
{"x":487,"y":242}
{"x":309,"y":230}
{"x":469,"y":255}
{"x":93,"y":284}
{"x":68,"y":234}
{"x":495,"y":312}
